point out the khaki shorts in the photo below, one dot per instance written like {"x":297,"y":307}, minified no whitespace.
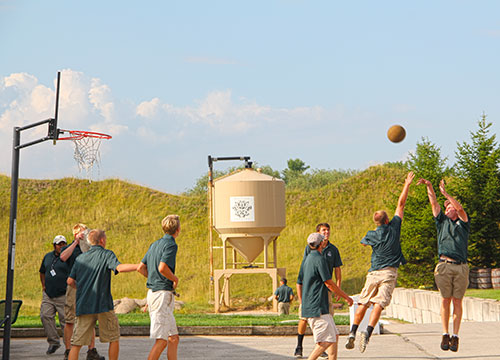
{"x":161,"y":312}
{"x":323,"y":328}
{"x":452,"y":280}
{"x":379,"y":287}
{"x":109,"y":329}
{"x":283,"y":308}
{"x":70,"y":305}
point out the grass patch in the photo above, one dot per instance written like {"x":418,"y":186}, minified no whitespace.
{"x":484,"y":293}
{"x":139,"y":319}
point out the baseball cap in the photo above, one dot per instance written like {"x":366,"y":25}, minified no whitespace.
{"x":315,"y":239}
{"x":59,"y":239}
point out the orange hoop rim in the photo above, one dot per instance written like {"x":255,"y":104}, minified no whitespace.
{"x":80,"y":134}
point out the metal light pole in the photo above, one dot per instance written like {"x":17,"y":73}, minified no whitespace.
{"x":53,"y":134}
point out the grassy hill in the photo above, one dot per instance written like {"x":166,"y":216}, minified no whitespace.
{"x":131,"y":216}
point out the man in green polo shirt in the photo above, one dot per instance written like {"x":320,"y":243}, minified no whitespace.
{"x":158,"y":265}
{"x":69,"y":254}
{"x":313,"y":283}
{"x":334,"y":262}
{"x":53,"y":276}
{"x":452,"y":272}
{"x":284,"y":295}
{"x":382,"y":275}
{"x":91,"y":276}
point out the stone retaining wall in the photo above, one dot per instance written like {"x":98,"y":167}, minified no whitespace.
{"x":423,"y":306}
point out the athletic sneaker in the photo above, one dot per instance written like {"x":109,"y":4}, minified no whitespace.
{"x":92,"y":354}
{"x":445,"y":342}
{"x":298,"y":352}
{"x":324,"y":355}
{"x":350,"y":342}
{"x":454,"y":343}
{"x":363,"y":341}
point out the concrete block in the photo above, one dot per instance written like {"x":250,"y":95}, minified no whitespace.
{"x":417,"y":316}
{"x":436,"y":317}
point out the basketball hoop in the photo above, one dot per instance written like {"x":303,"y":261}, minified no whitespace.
{"x":87,"y":145}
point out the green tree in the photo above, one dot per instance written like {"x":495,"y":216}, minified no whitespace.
{"x":479,"y":193}
{"x":296,"y":168}
{"x":418,"y":233}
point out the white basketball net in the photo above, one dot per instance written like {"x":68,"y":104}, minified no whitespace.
{"x":87,"y":155}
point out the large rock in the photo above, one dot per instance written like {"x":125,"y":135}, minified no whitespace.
{"x":125,"y":306}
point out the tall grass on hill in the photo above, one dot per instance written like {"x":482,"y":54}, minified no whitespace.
{"x":131,"y":216}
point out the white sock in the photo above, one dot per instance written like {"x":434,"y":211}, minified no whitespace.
{"x":455,"y":335}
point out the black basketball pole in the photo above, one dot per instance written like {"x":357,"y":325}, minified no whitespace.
{"x":12,"y":243}
{"x":16,"y":149}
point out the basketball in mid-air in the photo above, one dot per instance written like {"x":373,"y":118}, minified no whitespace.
{"x":396,"y":133}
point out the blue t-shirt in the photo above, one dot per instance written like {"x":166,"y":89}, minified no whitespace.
{"x":162,"y":250}
{"x":92,"y":273}
{"x":386,"y":245}
{"x":312,"y":275}
{"x":284,"y":292}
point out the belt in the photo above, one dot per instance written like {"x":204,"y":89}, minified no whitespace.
{"x":451,"y":261}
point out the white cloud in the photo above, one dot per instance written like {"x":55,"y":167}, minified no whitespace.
{"x":220,"y":112}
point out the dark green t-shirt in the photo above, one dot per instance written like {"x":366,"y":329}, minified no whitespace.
{"x":284,"y":292}
{"x":162,"y":250}
{"x":453,"y":237}
{"x":386,"y":246}
{"x":331,"y":255}
{"x":312,"y":275}
{"x":56,"y":273}
{"x":92,"y":273}
{"x":77,"y":251}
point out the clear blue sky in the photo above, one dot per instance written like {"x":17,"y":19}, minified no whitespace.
{"x":176,"y":81}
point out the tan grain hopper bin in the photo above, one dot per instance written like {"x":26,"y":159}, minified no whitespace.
{"x":249,"y":211}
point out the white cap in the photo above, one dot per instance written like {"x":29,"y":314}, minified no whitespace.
{"x":315,"y":239}
{"x":59,"y":239}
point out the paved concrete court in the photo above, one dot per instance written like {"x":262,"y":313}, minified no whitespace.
{"x":401,"y":341}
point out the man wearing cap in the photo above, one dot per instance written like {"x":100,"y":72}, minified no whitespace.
{"x":452,"y":272}
{"x":334,"y":262}
{"x":53,"y":275}
{"x":313,"y":283}
{"x":284,"y":295}
{"x":69,"y":255}
{"x":383,"y":273}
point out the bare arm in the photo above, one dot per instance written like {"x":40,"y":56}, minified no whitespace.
{"x":127,"y":267}
{"x":404,"y":195}
{"x":142,"y":269}
{"x":460,"y":210}
{"x":335,"y":289}
{"x":432,"y":196}
{"x":71,"y":282}
{"x":338,"y":278}
{"x":299,"y":293}
{"x":66,"y":254}
{"x":42,"y":280}
{"x":165,"y":271}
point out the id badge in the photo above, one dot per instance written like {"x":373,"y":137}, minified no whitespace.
{"x":53,"y":272}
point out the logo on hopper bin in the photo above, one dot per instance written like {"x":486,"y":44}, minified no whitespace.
{"x":242,"y":208}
